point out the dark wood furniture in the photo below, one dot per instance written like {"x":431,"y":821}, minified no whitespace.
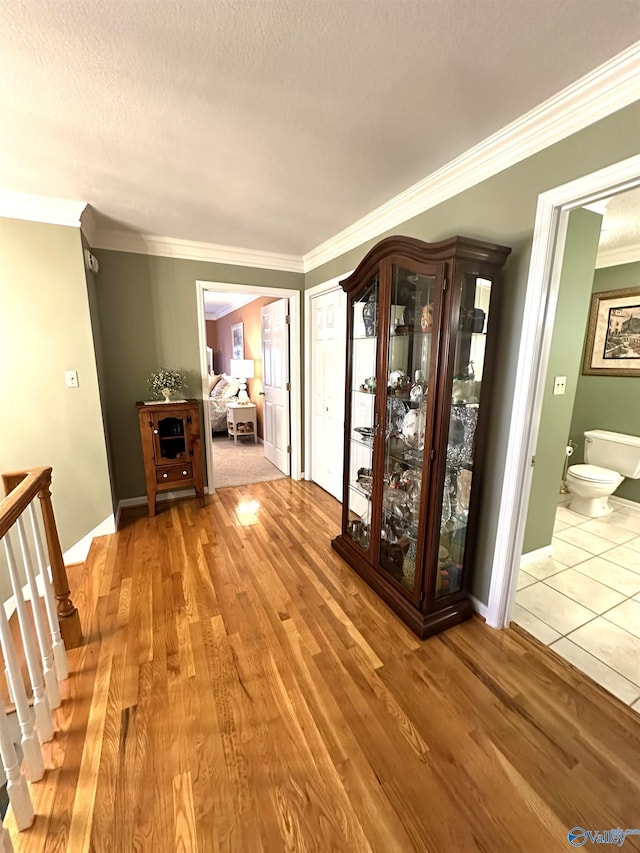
{"x":421,"y":334}
{"x":170,"y":435}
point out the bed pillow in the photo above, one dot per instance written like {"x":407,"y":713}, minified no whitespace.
{"x":214,"y":378}
{"x":219,"y":388}
{"x":231,"y":388}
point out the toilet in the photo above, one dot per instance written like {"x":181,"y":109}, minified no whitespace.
{"x":609,"y":458}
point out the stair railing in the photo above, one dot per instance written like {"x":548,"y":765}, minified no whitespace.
{"x":43,"y":638}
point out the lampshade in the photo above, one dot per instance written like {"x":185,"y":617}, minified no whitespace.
{"x":241,"y":368}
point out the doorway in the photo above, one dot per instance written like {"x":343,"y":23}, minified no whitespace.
{"x":326,"y":345}
{"x":245,"y":429}
{"x":548,"y":253}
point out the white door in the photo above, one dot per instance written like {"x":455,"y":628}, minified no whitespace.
{"x":275,"y":381}
{"x":328,"y":353}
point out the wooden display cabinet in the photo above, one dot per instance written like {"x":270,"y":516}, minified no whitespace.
{"x":421,"y":333}
{"x":170,"y":435}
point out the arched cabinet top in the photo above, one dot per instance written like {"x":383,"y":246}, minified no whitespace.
{"x":454,"y":248}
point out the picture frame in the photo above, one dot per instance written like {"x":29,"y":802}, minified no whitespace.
{"x":612,"y":346}
{"x":237,"y":340}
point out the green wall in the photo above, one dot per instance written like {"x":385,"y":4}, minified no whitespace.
{"x":609,"y":402}
{"x":502,"y":210}
{"x":45,"y":329}
{"x":148,"y":305}
{"x":148,"y":319}
{"x":565,"y":359}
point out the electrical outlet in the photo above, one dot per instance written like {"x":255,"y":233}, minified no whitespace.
{"x":560,"y":385}
{"x":71,"y":378}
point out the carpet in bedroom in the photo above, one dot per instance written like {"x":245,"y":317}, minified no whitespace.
{"x":241,"y":463}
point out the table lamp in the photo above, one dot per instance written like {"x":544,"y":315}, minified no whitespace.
{"x":242,"y":369}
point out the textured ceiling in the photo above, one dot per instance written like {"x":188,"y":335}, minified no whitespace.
{"x":621,"y":222}
{"x":273,"y":125}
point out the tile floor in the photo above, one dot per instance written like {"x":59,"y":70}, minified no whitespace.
{"x":584,"y":601}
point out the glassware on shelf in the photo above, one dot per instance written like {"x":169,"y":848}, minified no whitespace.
{"x":446,"y":506}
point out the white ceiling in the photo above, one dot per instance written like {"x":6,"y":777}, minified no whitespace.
{"x":621,"y":222}
{"x":217,"y":304}
{"x":273,"y":125}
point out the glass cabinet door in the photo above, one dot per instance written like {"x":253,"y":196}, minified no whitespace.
{"x":362,"y":391}
{"x":406,"y":419}
{"x":462,"y":420}
{"x":169,"y":439}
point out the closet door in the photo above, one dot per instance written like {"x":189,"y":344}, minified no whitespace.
{"x":328,"y":353}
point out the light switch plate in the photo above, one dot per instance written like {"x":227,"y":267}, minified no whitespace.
{"x":71,"y":378}
{"x":560,"y":385}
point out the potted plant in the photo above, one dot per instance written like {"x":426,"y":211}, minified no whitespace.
{"x":165,"y":382}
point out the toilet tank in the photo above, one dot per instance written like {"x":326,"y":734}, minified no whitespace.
{"x":613,"y":450}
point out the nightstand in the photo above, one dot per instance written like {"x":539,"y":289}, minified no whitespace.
{"x":241,"y":420}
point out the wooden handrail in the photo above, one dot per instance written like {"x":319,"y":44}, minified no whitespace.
{"x":21,"y":487}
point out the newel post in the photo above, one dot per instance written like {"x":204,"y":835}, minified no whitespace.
{"x":68,"y":615}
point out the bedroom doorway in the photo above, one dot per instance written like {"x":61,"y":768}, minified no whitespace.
{"x":230,"y":326}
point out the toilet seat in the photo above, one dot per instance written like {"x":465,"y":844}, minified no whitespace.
{"x":594,"y":474}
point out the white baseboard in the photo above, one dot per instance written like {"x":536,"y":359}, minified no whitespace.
{"x":161,"y":496}
{"x":78,"y":552}
{"x":538,"y":554}
{"x":479,"y":606}
{"x":624,"y":502}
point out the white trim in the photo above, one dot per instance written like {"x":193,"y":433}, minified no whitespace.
{"x":312,"y":293}
{"x":192,"y":250}
{"x":538,"y":554}
{"x":617,"y":257}
{"x":228,"y":309}
{"x":78,"y":552}
{"x":614,"y":499}
{"x":535,"y":342}
{"x":295,"y":367}
{"x":38,"y":208}
{"x":161,"y":496}
{"x":604,"y":90}
{"x":479,"y":606}
{"x":600,"y":93}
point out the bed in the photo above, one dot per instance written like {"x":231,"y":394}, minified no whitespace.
{"x":222,"y":389}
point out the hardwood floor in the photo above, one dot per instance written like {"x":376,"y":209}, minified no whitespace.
{"x":242,"y":690}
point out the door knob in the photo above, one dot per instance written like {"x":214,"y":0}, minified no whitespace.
{"x":261,"y":394}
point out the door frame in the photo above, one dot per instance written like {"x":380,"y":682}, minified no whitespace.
{"x":295,"y":373}
{"x":541,"y":299}
{"x":312,"y":293}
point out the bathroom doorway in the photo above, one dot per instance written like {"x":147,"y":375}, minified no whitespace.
{"x":577,"y":589}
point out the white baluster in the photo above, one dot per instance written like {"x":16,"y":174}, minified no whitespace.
{"x":9,"y":691}
{"x":44,"y":722}
{"x":17,"y":787}
{"x":29,"y":743}
{"x":59,"y":652}
{"x":6,"y":844}
{"x":44,"y":641}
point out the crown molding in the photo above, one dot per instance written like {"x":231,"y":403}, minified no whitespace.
{"x":223,"y":310}
{"x":617,"y":257}
{"x":603,"y":91}
{"x":167,"y":247}
{"x":37,"y":208}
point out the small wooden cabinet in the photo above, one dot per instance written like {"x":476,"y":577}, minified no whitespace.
{"x":421,"y":332}
{"x":170,"y":435}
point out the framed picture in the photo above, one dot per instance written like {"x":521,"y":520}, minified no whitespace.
{"x":237,"y":340}
{"x":613,"y":336}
